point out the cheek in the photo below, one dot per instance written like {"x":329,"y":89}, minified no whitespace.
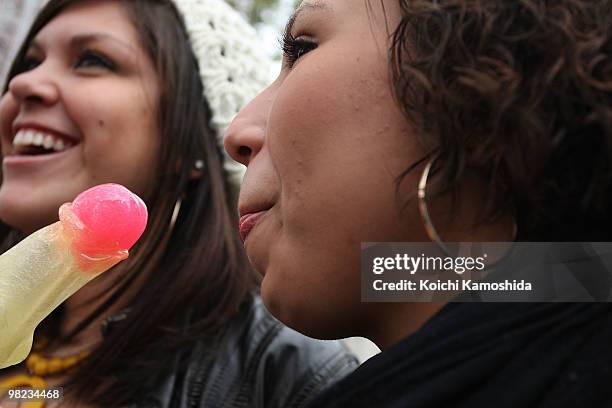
{"x":338,"y":143}
{"x":122,"y":107}
{"x":8,"y":112}
{"x":338,"y":153}
{"x":121,"y":138}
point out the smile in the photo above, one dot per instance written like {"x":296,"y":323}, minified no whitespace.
{"x":35,"y":142}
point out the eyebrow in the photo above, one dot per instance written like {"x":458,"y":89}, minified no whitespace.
{"x":81,"y":40}
{"x":306,"y":8}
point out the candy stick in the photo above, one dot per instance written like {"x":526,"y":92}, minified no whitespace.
{"x":94,"y":233}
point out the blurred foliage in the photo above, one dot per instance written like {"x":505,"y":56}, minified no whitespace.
{"x":255,"y":9}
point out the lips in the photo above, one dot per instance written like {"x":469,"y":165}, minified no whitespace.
{"x":248,"y":222}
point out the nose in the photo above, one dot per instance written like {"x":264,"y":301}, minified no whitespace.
{"x":245,"y":136}
{"x":35,"y":86}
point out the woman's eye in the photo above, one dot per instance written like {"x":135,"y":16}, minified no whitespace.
{"x":90,"y":59}
{"x":295,"y":48}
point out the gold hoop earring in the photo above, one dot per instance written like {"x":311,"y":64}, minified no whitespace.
{"x":175,"y":213}
{"x":430,"y":229}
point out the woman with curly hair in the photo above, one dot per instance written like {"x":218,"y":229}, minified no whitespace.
{"x":505,"y":109}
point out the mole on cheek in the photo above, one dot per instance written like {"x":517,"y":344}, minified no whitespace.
{"x":100,"y":123}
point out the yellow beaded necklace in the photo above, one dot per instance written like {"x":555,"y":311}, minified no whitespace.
{"x":38,"y":367}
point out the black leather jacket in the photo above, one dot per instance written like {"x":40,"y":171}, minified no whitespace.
{"x":256,"y":362}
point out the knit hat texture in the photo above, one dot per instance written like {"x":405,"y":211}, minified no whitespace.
{"x":233,"y":67}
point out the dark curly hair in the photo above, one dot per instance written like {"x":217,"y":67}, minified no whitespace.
{"x":520,"y":91}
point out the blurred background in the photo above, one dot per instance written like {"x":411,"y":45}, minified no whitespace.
{"x":267,"y":16}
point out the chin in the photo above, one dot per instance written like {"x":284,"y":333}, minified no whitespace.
{"x":23,"y":218}
{"x":308,"y":315}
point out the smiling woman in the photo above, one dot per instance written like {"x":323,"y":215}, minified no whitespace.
{"x":73,"y":59}
{"x":136,"y":92}
{"x":505,"y":107}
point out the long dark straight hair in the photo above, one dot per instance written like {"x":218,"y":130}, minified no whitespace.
{"x":198,"y":277}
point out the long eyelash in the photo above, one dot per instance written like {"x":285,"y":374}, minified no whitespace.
{"x":287,"y":45}
{"x":100,"y":59}
{"x":293,"y":48}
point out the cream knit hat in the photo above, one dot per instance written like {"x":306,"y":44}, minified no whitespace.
{"x":233,"y":67}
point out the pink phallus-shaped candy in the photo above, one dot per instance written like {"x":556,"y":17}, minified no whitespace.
{"x":103,"y":221}
{"x":44,"y":269}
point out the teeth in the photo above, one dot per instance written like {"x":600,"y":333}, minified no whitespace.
{"x":38,"y":139}
{"x":58,"y":146}
{"x":18,"y":139}
{"x":48,"y":142}
{"x":27,"y":137}
{"x":35,"y":138}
